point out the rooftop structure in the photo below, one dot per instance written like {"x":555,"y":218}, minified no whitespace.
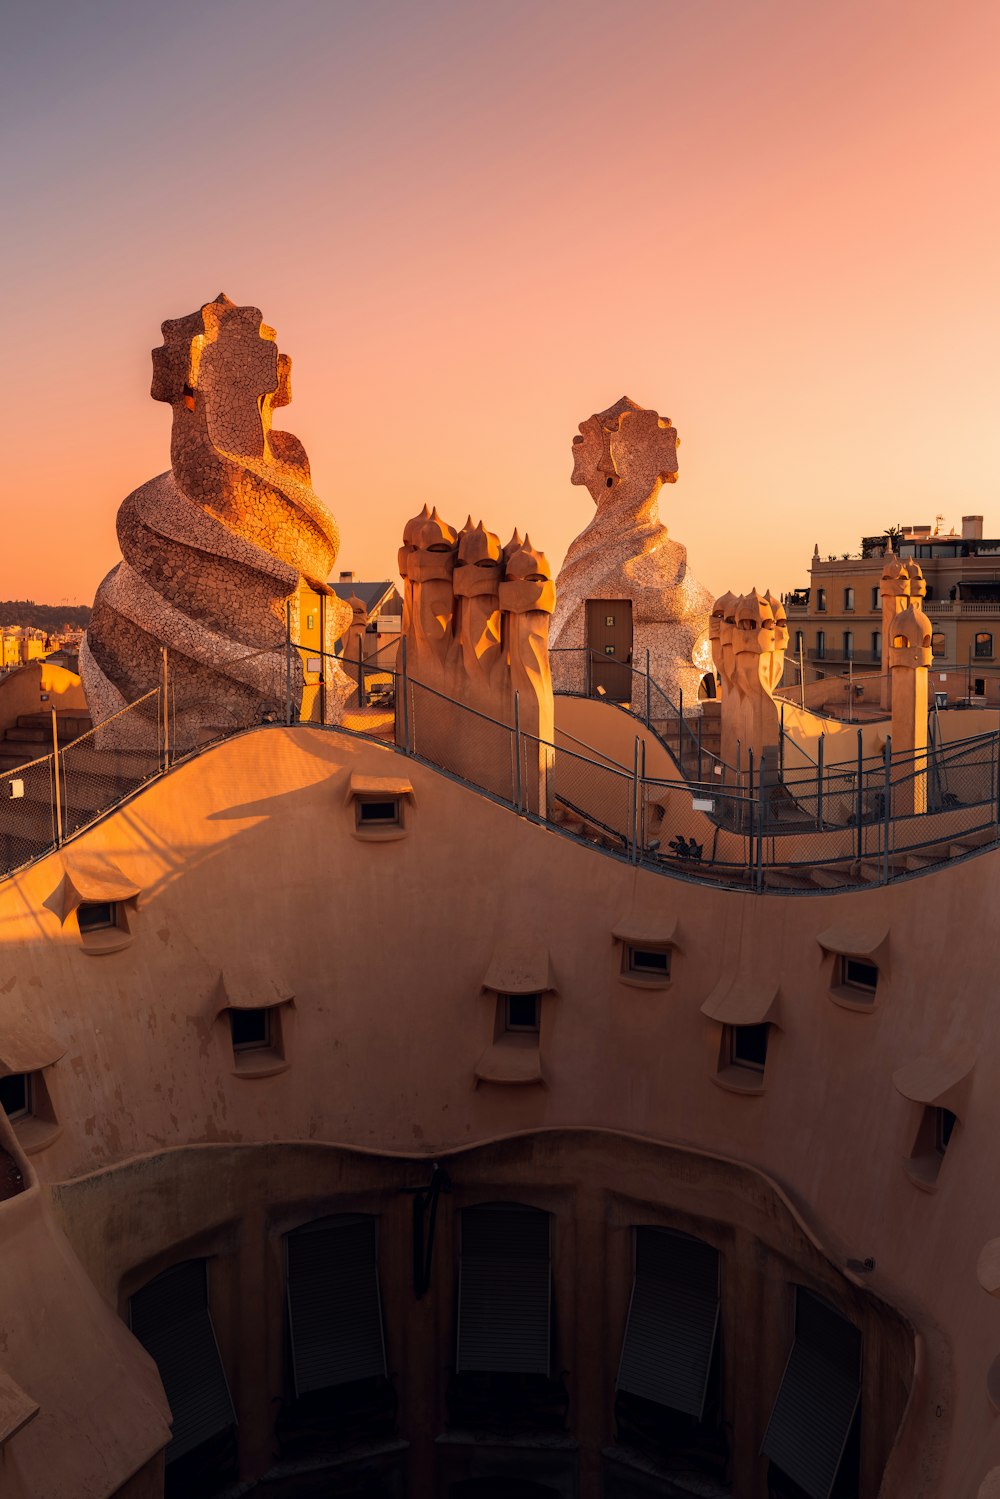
{"x":504,"y":1095}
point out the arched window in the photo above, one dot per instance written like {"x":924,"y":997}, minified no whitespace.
{"x":848,"y":599}
{"x":820,"y":644}
{"x":170,"y":1317}
{"x":334,"y":1306}
{"x":504,"y":1290}
{"x":984,"y":644}
{"x":876,"y":645}
{"x":937,"y":643}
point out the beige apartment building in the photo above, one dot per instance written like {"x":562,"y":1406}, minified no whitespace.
{"x":836,"y":623}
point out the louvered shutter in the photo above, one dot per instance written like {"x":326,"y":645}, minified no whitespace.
{"x":504,"y":1291}
{"x":673,"y":1320}
{"x":170,"y":1317}
{"x":334,"y":1307}
{"x":819,"y":1394}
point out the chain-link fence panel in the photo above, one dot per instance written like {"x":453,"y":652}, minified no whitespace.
{"x":465,"y":743}
{"x":27,"y":813}
{"x":593,"y":798}
{"x":111,"y":761}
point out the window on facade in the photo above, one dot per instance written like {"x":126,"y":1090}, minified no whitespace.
{"x":97,"y":915}
{"x":848,"y":645}
{"x":251,"y":1029}
{"x":813,"y":1435}
{"x":15,"y":1095}
{"x":647,"y":962}
{"x":334,"y":1303}
{"x":821,"y":599}
{"x":984,"y":644}
{"x":378,"y":812}
{"x":521,"y":1012}
{"x":937,"y":1126}
{"x":504,"y":1291}
{"x":672,"y":1331}
{"x":859,"y":974}
{"x":876,"y":645}
{"x":876,"y":597}
{"x":746,"y":1046}
{"x":170,"y":1316}
{"x":937,"y":643}
{"x":799,"y":640}
{"x":848,"y":598}
{"x":821,"y":643}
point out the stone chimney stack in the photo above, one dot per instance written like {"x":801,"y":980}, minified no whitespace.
{"x":972,"y":528}
{"x":909,"y":660}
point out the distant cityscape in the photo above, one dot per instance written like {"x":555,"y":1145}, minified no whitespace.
{"x":29,"y":631}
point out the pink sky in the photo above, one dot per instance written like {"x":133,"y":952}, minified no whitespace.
{"x":472,"y":226}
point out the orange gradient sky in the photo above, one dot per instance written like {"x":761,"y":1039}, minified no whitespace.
{"x":473,"y":225}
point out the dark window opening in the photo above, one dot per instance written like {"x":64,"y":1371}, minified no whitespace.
{"x":521,"y":1012}
{"x":378,"y":812}
{"x":171,"y":1319}
{"x":813,"y":1436}
{"x":984,"y":644}
{"x":748,"y":1046}
{"x":856,"y":973}
{"x":669,"y":1388}
{"x":503,"y":1365}
{"x":944,"y":1124}
{"x":649,"y":962}
{"x":821,"y":598}
{"x":15,"y":1094}
{"x":848,"y":598}
{"x":251,"y":1029}
{"x":97,"y":915}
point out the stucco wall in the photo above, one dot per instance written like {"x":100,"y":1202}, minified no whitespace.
{"x":248,"y":855}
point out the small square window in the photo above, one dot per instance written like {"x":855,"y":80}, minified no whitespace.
{"x":748,"y":1046}
{"x":251,"y":1029}
{"x":609,"y":650}
{"x":521,"y":1012}
{"x":856,"y":973}
{"x":378,"y":812}
{"x":97,"y":915}
{"x":15,"y":1094}
{"x":648,"y":962}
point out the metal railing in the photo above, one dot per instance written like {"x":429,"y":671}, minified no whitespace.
{"x":758,"y":827}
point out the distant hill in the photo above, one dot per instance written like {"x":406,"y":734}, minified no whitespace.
{"x":51,"y":617}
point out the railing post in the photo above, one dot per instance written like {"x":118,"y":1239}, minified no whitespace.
{"x":361,"y":671}
{"x":857,"y":811}
{"x":680,"y":730}
{"x":647,"y":687}
{"x":288,"y":662}
{"x":518,"y":789}
{"x":802,"y":680}
{"x":781,"y":742}
{"x":642,"y":800}
{"x":819,"y":783}
{"x":635,"y":801}
{"x":887,"y":794}
{"x":402,"y":677}
{"x":166,"y":716}
{"x":699,"y":747}
{"x":55,"y":772}
{"x":751,"y":804}
{"x":761,"y":821}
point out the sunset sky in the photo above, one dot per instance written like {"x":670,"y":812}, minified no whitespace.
{"x":474,"y":224}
